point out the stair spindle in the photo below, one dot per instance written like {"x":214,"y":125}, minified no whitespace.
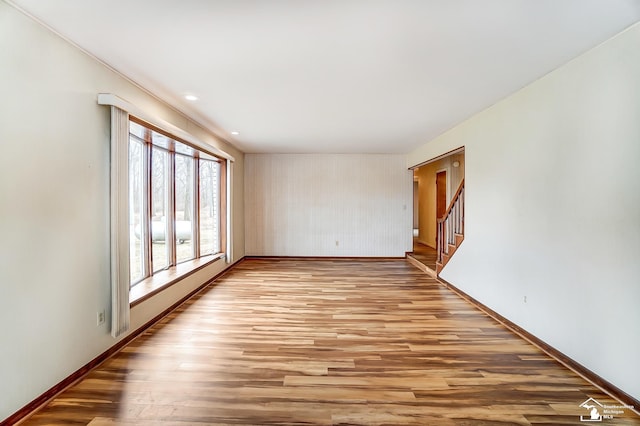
{"x":449,"y":226}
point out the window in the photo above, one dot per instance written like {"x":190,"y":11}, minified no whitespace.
{"x":185,"y":187}
{"x":159,"y":208}
{"x":174,"y":202}
{"x":169,"y":215}
{"x":137,"y":209}
{"x":209,"y":206}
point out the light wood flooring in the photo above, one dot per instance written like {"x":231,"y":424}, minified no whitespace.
{"x":424,"y":254}
{"x":327,"y":342}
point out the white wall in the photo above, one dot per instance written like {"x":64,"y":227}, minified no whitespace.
{"x":300,"y":205}
{"x":54,"y":204}
{"x":553,"y":208}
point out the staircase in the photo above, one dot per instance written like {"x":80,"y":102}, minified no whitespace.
{"x":450,"y":232}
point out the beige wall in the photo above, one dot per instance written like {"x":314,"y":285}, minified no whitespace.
{"x":416,"y":198}
{"x":328,"y":205}
{"x":427,"y":193}
{"x":553,"y":208}
{"x":54,"y":205}
{"x":427,"y":204}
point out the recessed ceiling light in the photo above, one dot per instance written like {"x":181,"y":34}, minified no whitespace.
{"x":235,"y":133}
{"x":191,"y":97}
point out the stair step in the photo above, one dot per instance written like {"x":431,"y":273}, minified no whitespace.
{"x":451,"y":249}
{"x":424,"y":268}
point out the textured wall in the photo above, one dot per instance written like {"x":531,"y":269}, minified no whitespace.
{"x":327,"y":205}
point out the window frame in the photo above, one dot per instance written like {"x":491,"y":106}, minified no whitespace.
{"x":122,"y":296}
{"x":221,"y":174}
{"x":150,"y":278}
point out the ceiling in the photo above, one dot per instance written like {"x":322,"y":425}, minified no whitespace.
{"x":333,"y":76}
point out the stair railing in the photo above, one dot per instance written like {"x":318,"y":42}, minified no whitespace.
{"x":451,"y":223}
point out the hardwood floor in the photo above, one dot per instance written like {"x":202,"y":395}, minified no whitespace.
{"x":425,"y":254}
{"x":327,"y":342}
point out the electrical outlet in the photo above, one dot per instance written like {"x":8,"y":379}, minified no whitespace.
{"x":100,"y":317}
{"x":525,"y":299}
{"x":337,"y":243}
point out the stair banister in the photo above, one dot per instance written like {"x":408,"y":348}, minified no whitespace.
{"x":451,"y":224}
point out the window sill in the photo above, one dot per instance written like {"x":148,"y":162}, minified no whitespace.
{"x":163,"y":279}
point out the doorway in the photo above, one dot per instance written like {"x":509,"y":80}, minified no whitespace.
{"x":434,"y":183}
{"x":441,"y":194}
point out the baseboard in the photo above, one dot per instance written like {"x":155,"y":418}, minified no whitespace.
{"x":23,"y":413}
{"x":415,"y":262}
{"x":365,"y":258}
{"x":602,"y":384}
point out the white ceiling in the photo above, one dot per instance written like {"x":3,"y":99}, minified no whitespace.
{"x":359,"y":76}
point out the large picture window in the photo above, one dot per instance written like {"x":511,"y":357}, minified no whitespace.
{"x":174,"y":202}
{"x":169,"y":214}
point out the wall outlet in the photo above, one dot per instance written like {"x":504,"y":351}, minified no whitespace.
{"x":337,"y":243}
{"x":525,"y":299}
{"x":100,"y":317}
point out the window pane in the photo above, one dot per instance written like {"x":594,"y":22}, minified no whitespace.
{"x":159,"y":206}
{"x":209,"y":207}
{"x":183,"y":149}
{"x":184,"y":208}
{"x":136,"y":210}
{"x":137,"y":130}
{"x":160,"y":140}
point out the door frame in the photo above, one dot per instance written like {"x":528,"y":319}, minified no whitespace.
{"x":446,"y":169}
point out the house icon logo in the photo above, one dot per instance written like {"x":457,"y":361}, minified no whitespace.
{"x":594,"y":408}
